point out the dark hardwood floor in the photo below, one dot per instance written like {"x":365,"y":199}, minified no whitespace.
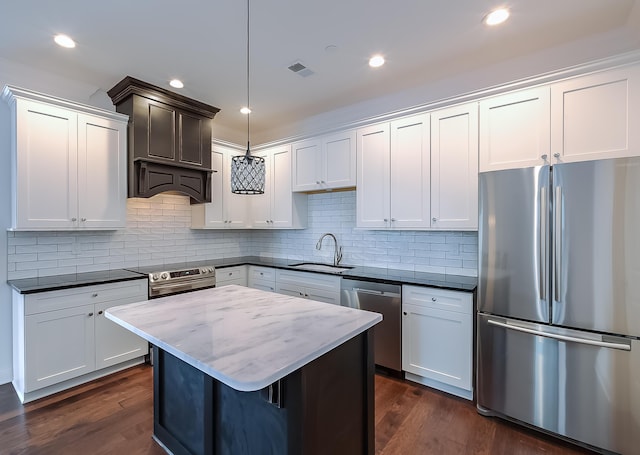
{"x":113,"y":415}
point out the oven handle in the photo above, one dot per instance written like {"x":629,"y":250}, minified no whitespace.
{"x":186,"y":284}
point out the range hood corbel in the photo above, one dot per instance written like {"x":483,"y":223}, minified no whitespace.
{"x":169,"y":140}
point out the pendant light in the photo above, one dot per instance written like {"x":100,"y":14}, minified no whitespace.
{"x":247,"y":172}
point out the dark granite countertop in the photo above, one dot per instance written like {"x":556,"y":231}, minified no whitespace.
{"x":56,"y":282}
{"x":391,"y":276}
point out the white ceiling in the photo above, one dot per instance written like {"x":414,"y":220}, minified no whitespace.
{"x":203,"y":42}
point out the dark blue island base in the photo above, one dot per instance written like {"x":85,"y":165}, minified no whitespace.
{"x":325,"y":407}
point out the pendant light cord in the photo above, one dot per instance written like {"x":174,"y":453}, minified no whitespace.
{"x":248,"y":104}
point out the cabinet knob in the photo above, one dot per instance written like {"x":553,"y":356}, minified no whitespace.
{"x":544,"y":157}
{"x":74,"y":219}
{"x":230,"y":273}
{"x":433,"y":299}
{"x":94,"y":295}
{"x":322,"y":181}
{"x":301,"y":294}
{"x":556,"y":155}
{"x":393,"y":220}
{"x":317,"y":182}
{"x":83,"y":219}
{"x":306,"y":295}
{"x":100,"y":312}
{"x":404,"y":312}
{"x":386,"y":219}
{"x":90,"y":314}
{"x":434,"y":219}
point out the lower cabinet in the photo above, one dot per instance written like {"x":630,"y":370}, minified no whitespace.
{"x":437,"y":338}
{"x":312,"y":286}
{"x":62,"y":338}
{"x":263,"y":278}
{"x":231,"y":275}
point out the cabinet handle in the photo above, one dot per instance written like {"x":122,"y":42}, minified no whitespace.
{"x":94,"y":295}
{"x":83,"y":219}
{"x":230,"y":273}
{"x":306,"y":295}
{"x":434,"y":219}
{"x":317,"y":182}
{"x":556,"y":155}
{"x":74,"y":219}
{"x":386,"y":219}
{"x":544,"y":157}
{"x":90,"y":314}
{"x":393,"y":220}
{"x":100,"y":312}
{"x":322,"y":181}
{"x":433,"y":299}
{"x":301,"y":294}
{"x":404,"y":312}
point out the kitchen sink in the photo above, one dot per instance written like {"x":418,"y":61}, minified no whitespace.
{"x":314,"y":267}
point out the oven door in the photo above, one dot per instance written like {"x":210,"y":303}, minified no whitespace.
{"x":178,"y":287}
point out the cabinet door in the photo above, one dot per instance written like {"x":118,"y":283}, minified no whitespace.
{"x":454,"y":167}
{"x":290,"y":289}
{"x":281,"y":195}
{"x":339,"y":160}
{"x":235,"y":205}
{"x":261,"y":203}
{"x":410,"y":172}
{"x":59,"y":345}
{"x":372,"y":195}
{"x":46,"y":166}
{"x":115,"y":344}
{"x":306,"y":165}
{"x":515,"y":130}
{"x":102,"y":170}
{"x":211,"y":215}
{"x":436,"y":344}
{"x":596,"y":116}
{"x":322,"y":295}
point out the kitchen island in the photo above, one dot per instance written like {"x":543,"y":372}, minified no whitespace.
{"x":242,"y":371}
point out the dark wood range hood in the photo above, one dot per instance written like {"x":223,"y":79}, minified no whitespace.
{"x":169,"y":140}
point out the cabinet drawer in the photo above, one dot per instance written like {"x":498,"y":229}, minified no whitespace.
{"x":134,"y":290}
{"x":262,"y":273}
{"x":226,"y":274}
{"x":439,"y":299}
{"x":309,"y":280}
{"x":263,"y":285}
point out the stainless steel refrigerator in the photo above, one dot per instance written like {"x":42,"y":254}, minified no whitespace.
{"x":559,"y":300}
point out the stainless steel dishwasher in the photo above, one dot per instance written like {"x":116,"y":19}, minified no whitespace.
{"x":384,"y":299}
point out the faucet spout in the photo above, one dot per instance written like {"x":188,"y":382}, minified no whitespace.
{"x":337,"y":257}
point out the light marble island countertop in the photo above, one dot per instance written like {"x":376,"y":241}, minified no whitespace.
{"x":243,"y":337}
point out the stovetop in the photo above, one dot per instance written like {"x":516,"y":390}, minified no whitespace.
{"x":149,"y":269}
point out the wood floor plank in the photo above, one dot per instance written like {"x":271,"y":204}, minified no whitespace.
{"x":114,"y":415}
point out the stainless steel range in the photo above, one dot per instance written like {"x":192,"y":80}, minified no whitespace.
{"x":174,"y":279}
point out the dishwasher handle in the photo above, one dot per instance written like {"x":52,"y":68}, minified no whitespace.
{"x":374,"y":292}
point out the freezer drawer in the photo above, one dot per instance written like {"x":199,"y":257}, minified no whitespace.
{"x":577,"y":389}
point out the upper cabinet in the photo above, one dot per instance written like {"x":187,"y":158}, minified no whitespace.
{"x":515,"y":130}
{"x":278,"y":207}
{"x":324,"y":163}
{"x":69,"y":164}
{"x":596,"y":116}
{"x":419,"y":172}
{"x":454,"y":167}
{"x":169,"y":140}
{"x":226,"y":209}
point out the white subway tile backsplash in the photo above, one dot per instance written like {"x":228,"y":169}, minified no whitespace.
{"x":158,"y":232}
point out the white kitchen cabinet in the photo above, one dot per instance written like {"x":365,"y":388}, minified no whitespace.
{"x":596,"y":116}
{"x":226,"y":209}
{"x":324,"y":163}
{"x":68,"y":164}
{"x":62,"y":338}
{"x":515,"y":130}
{"x":231,"y":275}
{"x":313,"y":286}
{"x":263,"y":278}
{"x":278,"y":207}
{"x":437,"y":338}
{"x":393,"y":174}
{"x":454,"y":168}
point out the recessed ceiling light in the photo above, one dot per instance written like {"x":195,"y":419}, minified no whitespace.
{"x":64,"y":41}
{"x":176,"y":83}
{"x":497,"y":16}
{"x":245,"y":110}
{"x":376,"y":61}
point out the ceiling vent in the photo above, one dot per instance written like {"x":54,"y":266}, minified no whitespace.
{"x":300,"y":69}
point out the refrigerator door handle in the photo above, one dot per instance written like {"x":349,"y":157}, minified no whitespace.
{"x":558,"y":231}
{"x":542,"y":279}
{"x":557,"y":336}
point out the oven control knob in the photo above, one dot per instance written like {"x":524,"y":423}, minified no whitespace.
{"x":154,"y":277}
{"x":211,"y":269}
{"x":164,"y":276}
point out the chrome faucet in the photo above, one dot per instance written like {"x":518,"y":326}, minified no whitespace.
{"x":337,"y":257}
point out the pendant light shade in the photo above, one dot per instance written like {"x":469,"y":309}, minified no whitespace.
{"x":247,"y":172}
